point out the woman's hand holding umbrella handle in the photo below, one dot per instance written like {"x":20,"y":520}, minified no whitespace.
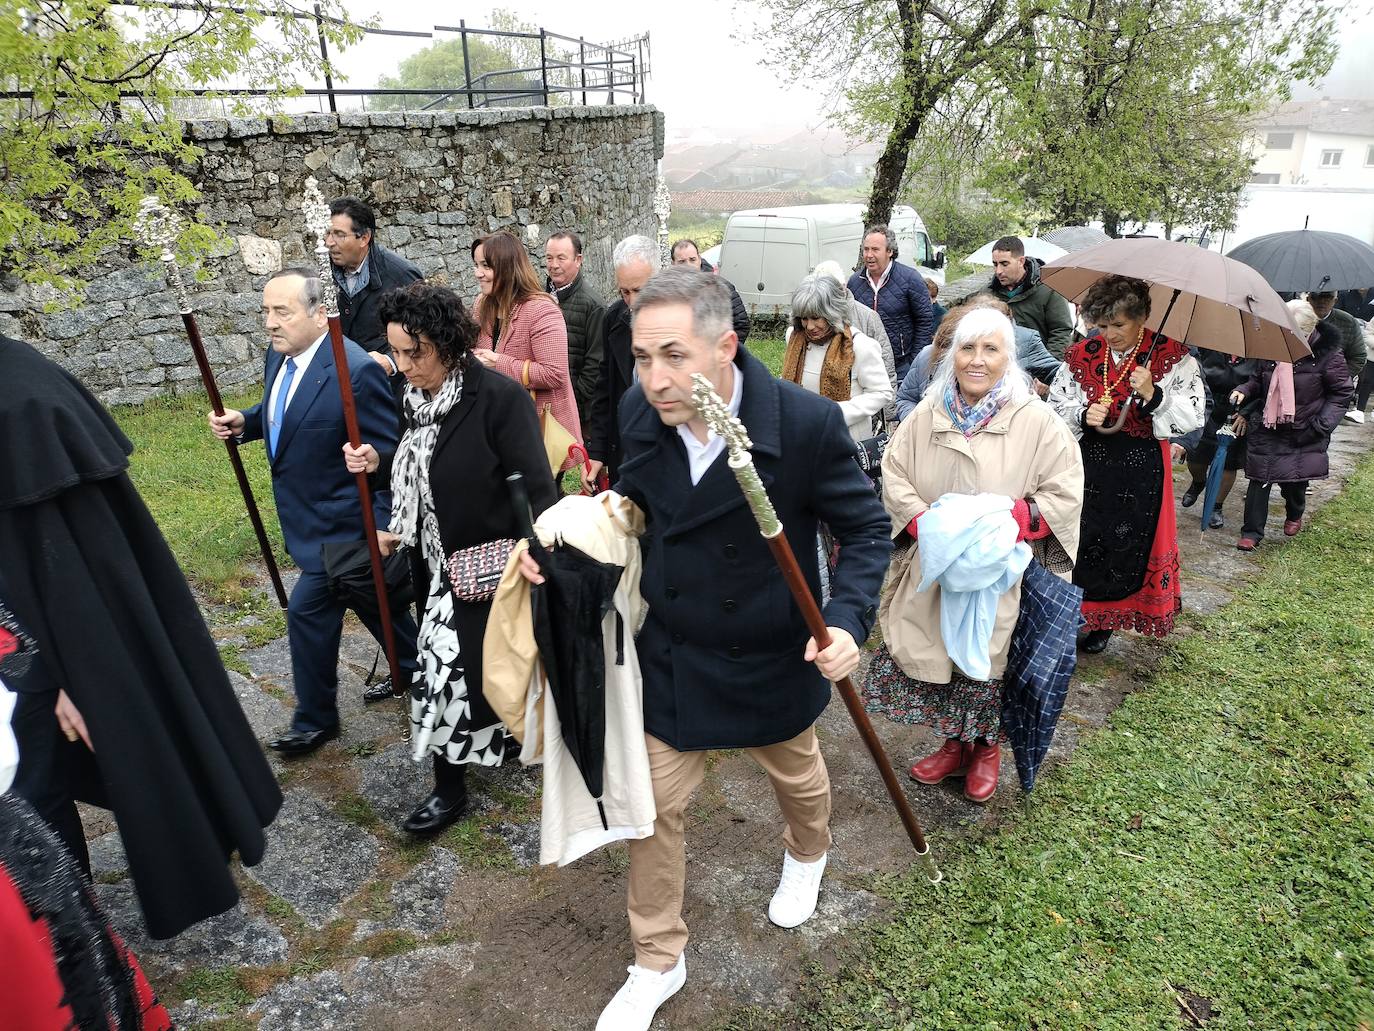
{"x":1238,"y":425}
{"x":1143,"y":383}
{"x":1096,"y":414}
{"x":1237,"y":397}
{"x":362,"y":459}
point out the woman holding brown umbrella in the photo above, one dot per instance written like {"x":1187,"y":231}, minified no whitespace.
{"x":1124,"y":392}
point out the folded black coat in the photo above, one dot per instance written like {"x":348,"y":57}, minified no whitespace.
{"x":88,"y":574}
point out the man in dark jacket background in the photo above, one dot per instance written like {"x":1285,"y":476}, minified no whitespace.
{"x":583,"y":313}
{"x":363,"y":271}
{"x":635,"y":259}
{"x":1016,"y":280}
{"x":1352,"y":338}
{"x":686,"y":254}
{"x":897,"y":293}
{"x":725,"y":656}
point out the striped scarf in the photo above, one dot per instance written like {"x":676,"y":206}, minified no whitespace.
{"x":970,"y":418}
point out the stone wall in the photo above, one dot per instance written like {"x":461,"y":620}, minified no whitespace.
{"x":436,"y":181}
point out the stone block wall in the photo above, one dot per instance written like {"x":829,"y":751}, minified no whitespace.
{"x":436,"y":181}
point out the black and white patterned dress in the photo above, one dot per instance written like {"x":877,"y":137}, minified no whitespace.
{"x":440,"y":712}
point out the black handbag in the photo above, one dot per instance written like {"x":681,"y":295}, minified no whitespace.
{"x":348,"y":568}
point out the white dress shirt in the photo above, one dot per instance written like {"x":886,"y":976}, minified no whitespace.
{"x":302,"y":361}
{"x":699,"y":455}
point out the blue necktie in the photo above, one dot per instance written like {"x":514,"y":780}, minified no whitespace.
{"x":279,"y":409}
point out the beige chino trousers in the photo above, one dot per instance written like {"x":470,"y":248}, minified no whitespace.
{"x":658,"y":864}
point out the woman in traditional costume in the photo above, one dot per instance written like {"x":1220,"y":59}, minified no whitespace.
{"x":1124,"y":392}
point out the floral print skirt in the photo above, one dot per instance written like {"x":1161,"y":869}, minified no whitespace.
{"x":964,"y":709}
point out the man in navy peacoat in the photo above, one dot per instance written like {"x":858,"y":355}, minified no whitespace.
{"x":316,"y":496}
{"x":726,"y":659}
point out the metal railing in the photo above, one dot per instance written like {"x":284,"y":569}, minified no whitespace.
{"x":569,"y":70}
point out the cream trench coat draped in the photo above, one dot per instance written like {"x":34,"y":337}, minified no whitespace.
{"x":1026,"y":451}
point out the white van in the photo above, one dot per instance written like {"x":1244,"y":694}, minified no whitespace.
{"x":768,"y":251}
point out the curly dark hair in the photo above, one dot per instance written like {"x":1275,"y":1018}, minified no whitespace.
{"x":1116,"y":295}
{"x":434,"y":312}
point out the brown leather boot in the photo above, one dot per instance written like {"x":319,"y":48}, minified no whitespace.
{"x":950,"y":761}
{"x":981,"y":781}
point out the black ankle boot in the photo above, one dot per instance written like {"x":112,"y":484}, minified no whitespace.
{"x":445,"y":806}
{"x":1094,"y":641}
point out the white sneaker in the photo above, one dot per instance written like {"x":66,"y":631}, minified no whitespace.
{"x":795,"y":900}
{"x":644,"y":991}
{"x":1355,"y":416}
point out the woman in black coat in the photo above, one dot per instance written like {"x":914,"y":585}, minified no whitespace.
{"x":1223,"y":373}
{"x":1289,"y":435}
{"x":467,"y":429}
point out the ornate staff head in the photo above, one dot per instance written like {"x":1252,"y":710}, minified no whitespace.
{"x":158,"y":228}
{"x":316,"y":212}
{"x":663,"y":207}
{"x":716,"y":413}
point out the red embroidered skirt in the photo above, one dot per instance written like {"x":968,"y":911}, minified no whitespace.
{"x":1152,"y":608}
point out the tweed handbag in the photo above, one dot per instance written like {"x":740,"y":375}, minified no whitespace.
{"x":474,"y":573}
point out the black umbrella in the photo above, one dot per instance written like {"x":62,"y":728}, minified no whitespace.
{"x":1308,"y":259}
{"x":568,"y":609}
{"x":348,"y":570}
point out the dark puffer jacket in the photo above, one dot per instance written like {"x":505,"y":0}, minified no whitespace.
{"x":583,"y":313}
{"x":359,"y":314}
{"x":1321,"y":390}
{"x":903,"y":303}
{"x":1037,"y":307}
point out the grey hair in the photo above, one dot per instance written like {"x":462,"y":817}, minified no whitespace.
{"x":636,"y":248}
{"x":818,"y":296}
{"x":704,"y":292}
{"x":976,"y":324}
{"x":1303,"y":317}
{"x":312,"y":290}
{"x":887,"y":233}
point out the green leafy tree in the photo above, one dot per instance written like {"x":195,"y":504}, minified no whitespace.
{"x":897,"y":62}
{"x":96,"y":126}
{"x":1139,"y":110}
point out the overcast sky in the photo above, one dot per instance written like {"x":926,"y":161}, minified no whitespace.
{"x":705,"y":56}
{"x":700,"y":75}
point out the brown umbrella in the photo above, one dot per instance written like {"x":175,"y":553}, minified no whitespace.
{"x":1198,"y":297}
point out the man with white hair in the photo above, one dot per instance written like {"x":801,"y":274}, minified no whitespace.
{"x":635,"y":258}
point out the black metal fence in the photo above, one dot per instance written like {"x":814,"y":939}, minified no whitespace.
{"x":556,"y":69}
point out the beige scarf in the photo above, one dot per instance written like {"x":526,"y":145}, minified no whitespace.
{"x":835,"y":372}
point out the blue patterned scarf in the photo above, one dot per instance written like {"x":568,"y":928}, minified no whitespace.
{"x":972,"y":418}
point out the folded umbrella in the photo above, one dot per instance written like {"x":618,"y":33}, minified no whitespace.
{"x":1308,"y":259}
{"x":568,"y":609}
{"x":1214,"y":473}
{"x":1040,"y":664}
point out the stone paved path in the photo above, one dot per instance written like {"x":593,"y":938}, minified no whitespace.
{"x":346,"y":924}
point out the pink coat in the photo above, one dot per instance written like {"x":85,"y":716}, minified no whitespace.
{"x":535,"y":333}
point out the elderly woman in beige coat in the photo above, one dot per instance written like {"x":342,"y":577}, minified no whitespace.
{"x":979,"y":430}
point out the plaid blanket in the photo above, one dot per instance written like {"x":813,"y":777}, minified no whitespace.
{"x":1040,"y":664}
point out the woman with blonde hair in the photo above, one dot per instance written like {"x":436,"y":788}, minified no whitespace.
{"x":979,"y":441}
{"x":521,"y":333}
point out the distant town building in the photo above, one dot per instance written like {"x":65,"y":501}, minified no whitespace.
{"x":1316,"y":143}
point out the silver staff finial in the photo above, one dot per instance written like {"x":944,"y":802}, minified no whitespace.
{"x":726,"y":426}
{"x":316,"y":212}
{"x":158,"y":228}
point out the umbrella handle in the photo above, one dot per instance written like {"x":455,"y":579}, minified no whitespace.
{"x":1115,"y":427}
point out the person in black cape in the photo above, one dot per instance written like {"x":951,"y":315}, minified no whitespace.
{"x":130,"y":707}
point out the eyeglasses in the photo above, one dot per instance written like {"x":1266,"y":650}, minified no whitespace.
{"x":341,"y":234}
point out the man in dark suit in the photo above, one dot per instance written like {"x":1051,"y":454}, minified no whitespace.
{"x":635,"y":258}
{"x":725,"y":656}
{"x":301,"y":420}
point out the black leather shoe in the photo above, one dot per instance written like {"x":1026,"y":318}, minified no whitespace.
{"x":379,"y":692}
{"x":434,"y":814}
{"x":1190,"y":496}
{"x":303,"y":742}
{"x":1094,"y":641}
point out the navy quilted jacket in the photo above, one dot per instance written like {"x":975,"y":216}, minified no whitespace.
{"x":903,"y":304}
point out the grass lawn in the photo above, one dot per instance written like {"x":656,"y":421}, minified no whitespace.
{"x":1207,"y":860}
{"x":184,"y":475}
